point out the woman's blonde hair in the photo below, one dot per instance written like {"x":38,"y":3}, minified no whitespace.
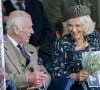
{"x":86,"y":22}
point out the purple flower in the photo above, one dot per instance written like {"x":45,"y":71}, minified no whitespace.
{"x":31,"y":52}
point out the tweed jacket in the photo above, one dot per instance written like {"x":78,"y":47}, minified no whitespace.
{"x":16,"y":67}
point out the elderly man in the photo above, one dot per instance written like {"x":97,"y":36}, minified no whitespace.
{"x":41,"y":26}
{"x":21,"y":59}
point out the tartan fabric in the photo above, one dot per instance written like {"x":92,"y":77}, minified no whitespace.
{"x":24,"y":53}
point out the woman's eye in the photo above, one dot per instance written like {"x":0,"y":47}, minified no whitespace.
{"x":69,"y":25}
{"x":77,"y":25}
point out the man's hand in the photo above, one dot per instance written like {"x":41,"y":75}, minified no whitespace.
{"x":81,"y":76}
{"x":36,"y":79}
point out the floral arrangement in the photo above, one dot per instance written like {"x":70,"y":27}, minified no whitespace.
{"x":91,"y":62}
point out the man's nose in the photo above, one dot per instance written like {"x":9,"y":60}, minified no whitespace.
{"x":32,"y":31}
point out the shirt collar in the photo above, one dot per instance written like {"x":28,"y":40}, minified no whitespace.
{"x":12,"y":40}
{"x":14,"y":3}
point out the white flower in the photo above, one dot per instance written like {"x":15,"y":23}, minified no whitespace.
{"x":91,"y":61}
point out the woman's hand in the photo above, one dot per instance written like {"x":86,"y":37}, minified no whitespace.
{"x":81,"y":76}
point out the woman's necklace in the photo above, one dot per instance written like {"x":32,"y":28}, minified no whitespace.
{"x":81,"y":45}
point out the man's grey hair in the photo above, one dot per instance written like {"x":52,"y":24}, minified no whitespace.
{"x":16,"y":18}
{"x":86,"y":22}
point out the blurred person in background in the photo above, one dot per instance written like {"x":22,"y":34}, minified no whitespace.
{"x":56,"y":9}
{"x":58,"y":32}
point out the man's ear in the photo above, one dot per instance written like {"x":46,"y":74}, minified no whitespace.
{"x":16,"y":30}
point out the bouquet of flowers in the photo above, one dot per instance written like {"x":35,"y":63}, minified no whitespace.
{"x":91,"y":63}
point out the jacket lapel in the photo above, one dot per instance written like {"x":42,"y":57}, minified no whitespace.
{"x":13,"y":54}
{"x":33,"y":57}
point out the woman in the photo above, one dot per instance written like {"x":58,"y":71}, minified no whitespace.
{"x":68,"y":50}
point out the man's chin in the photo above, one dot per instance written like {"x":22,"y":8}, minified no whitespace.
{"x":26,"y":42}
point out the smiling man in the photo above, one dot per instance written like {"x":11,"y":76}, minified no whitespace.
{"x":41,"y":27}
{"x":20,"y":57}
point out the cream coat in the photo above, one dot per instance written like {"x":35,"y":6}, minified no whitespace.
{"x":16,"y":67}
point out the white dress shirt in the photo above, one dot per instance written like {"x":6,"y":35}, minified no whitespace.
{"x":13,"y":42}
{"x":15,"y":5}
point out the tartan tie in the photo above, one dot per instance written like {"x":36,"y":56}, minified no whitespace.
{"x":24,"y":53}
{"x":19,"y":4}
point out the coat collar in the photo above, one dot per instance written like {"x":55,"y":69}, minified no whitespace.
{"x":13,"y":54}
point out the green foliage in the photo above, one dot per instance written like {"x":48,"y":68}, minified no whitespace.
{"x":91,"y":63}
